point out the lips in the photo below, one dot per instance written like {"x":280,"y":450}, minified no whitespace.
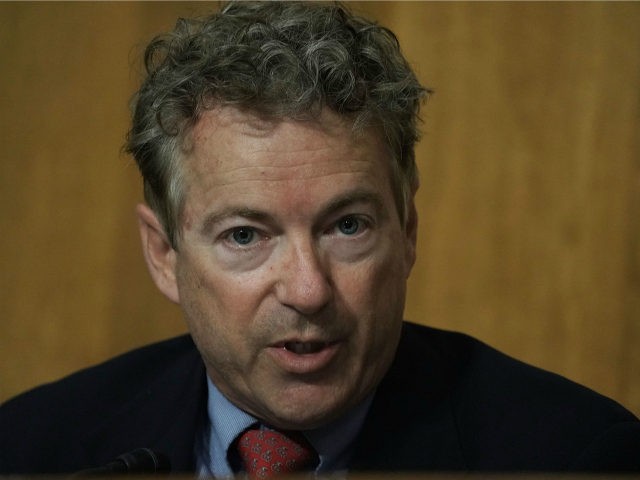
{"x":305,"y":348}
{"x":304,"y":356}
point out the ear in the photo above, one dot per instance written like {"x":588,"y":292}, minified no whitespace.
{"x":411,"y":236}
{"x":158,"y":252}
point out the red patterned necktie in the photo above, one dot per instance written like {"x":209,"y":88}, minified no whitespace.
{"x":268,"y":453}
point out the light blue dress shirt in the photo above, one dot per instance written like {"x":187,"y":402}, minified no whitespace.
{"x":333,"y":442}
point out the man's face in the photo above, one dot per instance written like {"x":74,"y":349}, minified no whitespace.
{"x":292,"y":267}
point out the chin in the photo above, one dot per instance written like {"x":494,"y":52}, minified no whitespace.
{"x":313,"y":409}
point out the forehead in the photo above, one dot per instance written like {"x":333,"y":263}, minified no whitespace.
{"x":230,"y":142}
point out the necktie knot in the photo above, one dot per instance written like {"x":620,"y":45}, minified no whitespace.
{"x":267,"y":453}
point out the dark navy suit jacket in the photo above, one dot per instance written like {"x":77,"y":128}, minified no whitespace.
{"x":448,"y":403}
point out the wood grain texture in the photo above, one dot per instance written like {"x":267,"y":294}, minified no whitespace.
{"x":529,"y":237}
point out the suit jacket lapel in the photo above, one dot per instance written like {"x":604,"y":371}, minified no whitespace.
{"x":411,"y":425}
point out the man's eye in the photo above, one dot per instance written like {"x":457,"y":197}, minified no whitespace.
{"x":349,"y":225}
{"x":243,"y":235}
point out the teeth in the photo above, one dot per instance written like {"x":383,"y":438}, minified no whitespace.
{"x":302,"y":348}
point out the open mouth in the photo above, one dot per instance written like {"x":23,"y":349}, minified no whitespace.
{"x":305,"y":348}
{"x":300,"y":357}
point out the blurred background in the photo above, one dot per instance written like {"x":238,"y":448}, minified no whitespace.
{"x":529,"y":230}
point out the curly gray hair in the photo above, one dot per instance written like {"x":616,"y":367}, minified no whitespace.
{"x":280,"y":59}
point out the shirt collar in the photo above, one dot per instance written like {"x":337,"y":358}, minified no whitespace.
{"x":333,"y":442}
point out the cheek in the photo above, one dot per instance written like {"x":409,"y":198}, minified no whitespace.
{"x":381,"y":282}
{"x":212,"y":306}
{"x":374,"y":296}
{"x":376,"y":300}
{"x":214,"y":293}
{"x":218,"y":318}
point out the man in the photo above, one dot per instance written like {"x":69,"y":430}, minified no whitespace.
{"x":276,"y":145}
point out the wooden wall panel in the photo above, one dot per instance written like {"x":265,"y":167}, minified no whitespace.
{"x":530,"y":186}
{"x":530,"y":182}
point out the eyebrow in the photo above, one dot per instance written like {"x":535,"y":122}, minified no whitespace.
{"x":339,"y":203}
{"x":244,"y":212}
{"x":351,"y":198}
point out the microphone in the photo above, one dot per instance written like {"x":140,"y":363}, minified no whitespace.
{"x":142,"y":460}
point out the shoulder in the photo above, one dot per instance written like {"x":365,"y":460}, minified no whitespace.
{"x":473,"y":370}
{"x":113,"y":378}
{"x":512,"y":416}
{"x":51,"y":423}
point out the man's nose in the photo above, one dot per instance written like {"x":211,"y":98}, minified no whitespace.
{"x":304,"y":283}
